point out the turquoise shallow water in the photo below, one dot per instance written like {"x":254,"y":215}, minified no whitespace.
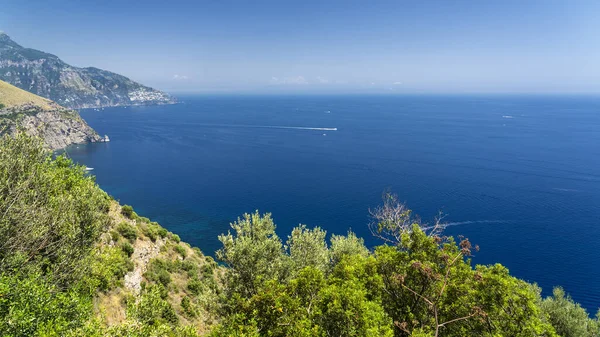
{"x":518,"y":175}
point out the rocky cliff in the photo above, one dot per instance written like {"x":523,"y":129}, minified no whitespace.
{"x":48,"y":76}
{"x":57,"y":126}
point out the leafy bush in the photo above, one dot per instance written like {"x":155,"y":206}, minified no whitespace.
{"x":421,"y":285}
{"x":180,"y":250}
{"x":127,"y":248}
{"x":158,"y":272}
{"x":40,"y":201}
{"x":187,"y":306}
{"x":143,"y":219}
{"x":197,"y":251}
{"x":152,"y":309}
{"x":195,"y":286}
{"x":150,"y":232}
{"x":114,"y":235}
{"x":32,"y":306}
{"x":567,"y":317}
{"x":207,"y":271}
{"x":128,"y":231}
{"x":108,"y":267}
{"x":127,"y":211}
{"x":162,"y":232}
{"x":175,"y":237}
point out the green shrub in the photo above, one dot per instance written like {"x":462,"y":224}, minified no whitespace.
{"x":175,"y":238}
{"x":158,"y":272}
{"x":197,"y":251}
{"x":188,"y":266}
{"x":186,"y":304}
{"x":152,"y":309}
{"x":127,"y":230}
{"x":161,"y":231}
{"x":211,"y":261}
{"x":143,"y":219}
{"x":181,"y":250}
{"x":150,"y":232}
{"x":127,"y":211}
{"x":207,"y":271}
{"x":51,"y":211}
{"x":568,"y":318}
{"x":108,"y":267}
{"x":127,"y":248}
{"x":31,"y":306}
{"x":114,"y":235}
{"x":195,"y":286}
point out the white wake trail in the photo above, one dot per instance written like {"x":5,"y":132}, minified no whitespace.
{"x":267,"y":127}
{"x":296,"y":127}
{"x":473,"y":222}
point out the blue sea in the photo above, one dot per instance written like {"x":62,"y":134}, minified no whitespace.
{"x":518,"y":175}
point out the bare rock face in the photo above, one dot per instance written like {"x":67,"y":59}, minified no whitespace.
{"x":143,"y":252}
{"x":58,"y":127}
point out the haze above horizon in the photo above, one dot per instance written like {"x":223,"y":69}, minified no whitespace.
{"x":316,"y":47}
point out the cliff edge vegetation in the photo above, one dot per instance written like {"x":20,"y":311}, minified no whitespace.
{"x":74,"y":262}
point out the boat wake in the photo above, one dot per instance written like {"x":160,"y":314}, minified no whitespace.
{"x":450,"y":224}
{"x":268,"y":127}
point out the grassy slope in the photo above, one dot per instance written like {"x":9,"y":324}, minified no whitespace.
{"x":184,"y":265}
{"x":12,"y":96}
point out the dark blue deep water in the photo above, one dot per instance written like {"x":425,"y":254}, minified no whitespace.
{"x":519,"y":176}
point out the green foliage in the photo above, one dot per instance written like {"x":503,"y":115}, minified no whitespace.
{"x":188,"y":307}
{"x":162,"y":232}
{"x":207,"y":270}
{"x":423,"y":285}
{"x":127,"y":211}
{"x":108,"y":267}
{"x":432,"y":287}
{"x":32,"y":306}
{"x":52,"y":212}
{"x":568,"y":318}
{"x":127,"y":230}
{"x":152,"y":309}
{"x":348,"y":245}
{"x":52,"y":263}
{"x":114,"y":235}
{"x":153,"y":230}
{"x":2,"y":106}
{"x":150,"y":232}
{"x":180,"y":250}
{"x":307,"y":247}
{"x":195,"y":286}
{"x":158,"y":272}
{"x":254,"y":253}
{"x":127,"y":248}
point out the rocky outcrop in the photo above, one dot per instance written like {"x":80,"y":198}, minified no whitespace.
{"x":48,"y":76}
{"x":144,"y":251}
{"x":58,"y":127}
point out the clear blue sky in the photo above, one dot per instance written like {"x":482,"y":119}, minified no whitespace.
{"x":450,"y":46}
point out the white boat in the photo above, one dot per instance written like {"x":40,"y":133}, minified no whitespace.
{"x":89,"y":168}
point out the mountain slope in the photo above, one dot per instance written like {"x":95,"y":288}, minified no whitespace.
{"x":48,"y":76}
{"x":57,"y":126}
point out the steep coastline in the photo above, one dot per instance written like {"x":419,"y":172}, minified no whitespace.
{"x":59,"y":127}
{"x":48,"y":76}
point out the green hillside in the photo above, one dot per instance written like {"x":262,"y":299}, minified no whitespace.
{"x":73,"y":262}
